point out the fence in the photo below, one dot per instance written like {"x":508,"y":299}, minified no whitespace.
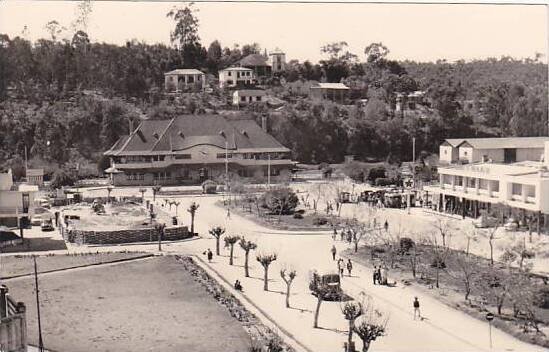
{"x":149,"y":234}
{"x":13,"y":324}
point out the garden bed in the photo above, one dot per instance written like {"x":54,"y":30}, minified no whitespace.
{"x":451,"y":286}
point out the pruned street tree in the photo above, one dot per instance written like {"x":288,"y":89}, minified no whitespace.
{"x":265,"y":259}
{"x":444,"y":229}
{"x":371,"y":325}
{"x":351,"y":311}
{"x":217,"y":232}
{"x":247,"y":246}
{"x":288,"y":276}
{"x":230,"y":242}
{"x":322,"y":291}
{"x":142,"y":191}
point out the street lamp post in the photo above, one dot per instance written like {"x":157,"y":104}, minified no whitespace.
{"x":40,"y":341}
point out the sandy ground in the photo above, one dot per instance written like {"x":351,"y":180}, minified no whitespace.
{"x":145,"y":305}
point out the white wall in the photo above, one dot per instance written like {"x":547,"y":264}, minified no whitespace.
{"x":447,"y":154}
{"x":546,"y":154}
{"x":532,"y":154}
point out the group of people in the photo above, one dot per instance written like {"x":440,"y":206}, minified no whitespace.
{"x":341,"y":266}
{"x":380,"y":275}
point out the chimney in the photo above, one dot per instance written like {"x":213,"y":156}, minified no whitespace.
{"x":264,"y":123}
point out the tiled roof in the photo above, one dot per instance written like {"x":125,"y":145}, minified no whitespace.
{"x":247,"y":92}
{"x":164,"y":136}
{"x":500,"y":143}
{"x":185,"y":71}
{"x":238,"y":69}
{"x":254,"y":60}
{"x":454,"y":142}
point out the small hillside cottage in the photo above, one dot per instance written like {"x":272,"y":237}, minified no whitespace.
{"x":247,"y":96}
{"x":182,"y":80}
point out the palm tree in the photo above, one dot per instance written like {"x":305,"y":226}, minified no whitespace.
{"x":217,"y":232}
{"x":229,"y":242}
{"x":192,"y":210}
{"x":266,"y":260}
{"x":155,"y":190}
{"x":247,"y":246}
{"x":109,"y":190}
{"x":142,"y":190}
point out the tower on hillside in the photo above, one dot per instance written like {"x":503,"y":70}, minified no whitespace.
{"x":277,"y":60}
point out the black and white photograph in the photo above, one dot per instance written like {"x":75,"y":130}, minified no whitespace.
{"x":274,"y":176}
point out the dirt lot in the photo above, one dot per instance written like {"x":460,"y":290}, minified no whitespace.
{"x":23,"y":264}
{"x":144,"y":305}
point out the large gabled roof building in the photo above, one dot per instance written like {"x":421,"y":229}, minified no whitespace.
{"x":191,"y":149}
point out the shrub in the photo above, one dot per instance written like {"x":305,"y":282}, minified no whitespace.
{"x":406,"y":244}
{"x":320,"y":220}
{"x":62,"y":178}
{"x":280,"y":201}
{"x":542,"y":298}
{"x":438,"y":263}
{"x":378,"y":250}
{"x":209,"y":187}
{"x":298,"y":216}
{"x":355,"y":171}
{"x":381,"y":181}
{"x":376,"y":172}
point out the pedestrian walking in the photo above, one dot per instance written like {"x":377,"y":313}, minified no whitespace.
{"x":334,"y":235}
{"x":416,"y":309}
{"x":341,"y":266}
{"x":349,"y":266}
{"x":375,"y":274}
{"x":378,"y":275}
{"x":209,"y":254}
{"x":334,"y":251}
{"x":342,"y":234}
{"x":386,"y":226}
{"x":228,"y":213}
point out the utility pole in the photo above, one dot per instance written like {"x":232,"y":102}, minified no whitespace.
{"x":26,"y":162}
{"x":268,"y":170}
{"x":40,"y":341}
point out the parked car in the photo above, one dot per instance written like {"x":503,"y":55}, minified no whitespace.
{"x":40,"y":214}
{"x":331,"y":281}
{"x":485,"y":221}
{"x":47,"y":225}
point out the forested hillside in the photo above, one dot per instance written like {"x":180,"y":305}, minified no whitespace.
{"x":67,"y":100}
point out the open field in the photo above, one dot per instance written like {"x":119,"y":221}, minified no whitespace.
{"x":145,"y":305}
{"x":17,"y":265}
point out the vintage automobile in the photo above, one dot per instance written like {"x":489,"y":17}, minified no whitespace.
{"x":331,"y":282}
{"x":47,"y":225}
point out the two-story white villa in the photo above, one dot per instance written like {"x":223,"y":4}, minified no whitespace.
{"x":234,"y":76}
{"x":190,"y":149}
{"x":487,"y":177}
{"x":16,"y":201}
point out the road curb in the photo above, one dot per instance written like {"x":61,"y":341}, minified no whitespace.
{"x":255,"y":309}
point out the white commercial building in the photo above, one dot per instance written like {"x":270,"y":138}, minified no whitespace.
{"x":487,"y":176}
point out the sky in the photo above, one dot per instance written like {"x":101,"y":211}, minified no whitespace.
{"x":420,"y":32}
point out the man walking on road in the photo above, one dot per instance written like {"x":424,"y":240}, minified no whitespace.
{"x":386,"y":226}
{"x":416,"y":309}
{"x":334,"y":251}
{"x":349,"y":266}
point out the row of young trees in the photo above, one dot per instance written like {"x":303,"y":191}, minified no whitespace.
{"x":372,"y":323}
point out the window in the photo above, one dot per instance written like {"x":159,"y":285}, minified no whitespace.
{"x":229,"y":73}
{"x":465,"y":153}
{"x":459,"y":181}
{"x":230,"y":81}
{"x":445,"y":152}
{"x":132,"y":176}
{"x":190,"y":79}
{"x":185,"y":174}
{"x":516,"y":189}
{"x":222,"y":155}
{"x":258,"y":98}
{"x":161,"y":176}
{"x":471,"y":182}
{"x":243,"y":99}
{"x":182,"y":156}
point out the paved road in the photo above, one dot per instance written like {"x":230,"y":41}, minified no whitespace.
{"x":445,"y":329}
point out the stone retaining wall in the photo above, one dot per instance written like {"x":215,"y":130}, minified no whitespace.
{"x":127,"y":236}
